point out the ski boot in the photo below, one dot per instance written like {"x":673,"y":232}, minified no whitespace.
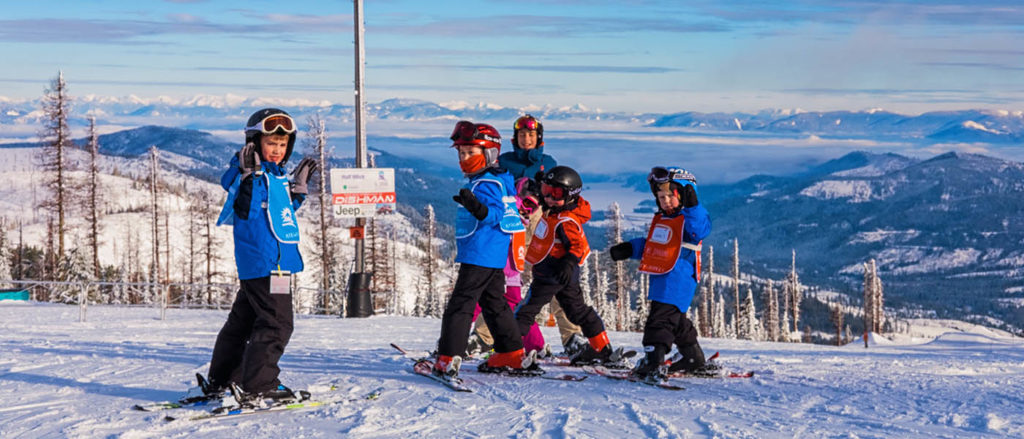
{"x":203,"y":391}
{"x":575,"y":344}
{"x":278,"y":395}
{"x":651,"y":368}
{"x":689,"y":360}
{"x":599,"y":352}
{"x":477,"y":347}
{"x":447,"y":367}
{"x":515,"y":363}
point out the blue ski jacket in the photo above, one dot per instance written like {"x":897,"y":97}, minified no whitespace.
{"x":678,"y":286}
{"x":526,"y":162}
{"x":485,"y":244}
{"x":257,"y":251}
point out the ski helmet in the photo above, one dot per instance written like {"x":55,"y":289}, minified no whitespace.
{"x":479,"y":134}
{"x":564,"y":178}
{"x":271,"y":121}
{"x":662,"y":178}
{"x":527,"y":122}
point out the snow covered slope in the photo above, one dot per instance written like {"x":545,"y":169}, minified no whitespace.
{"x":61,"y":378}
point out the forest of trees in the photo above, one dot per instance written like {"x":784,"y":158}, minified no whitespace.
{"x":171,"y":253}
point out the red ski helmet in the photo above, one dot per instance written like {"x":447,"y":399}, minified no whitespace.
{"x":478,"y":134}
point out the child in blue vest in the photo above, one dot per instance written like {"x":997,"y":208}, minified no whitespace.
{"x":261,"y":208}
{"x":484,"y":222}
{"x":671,"y":255}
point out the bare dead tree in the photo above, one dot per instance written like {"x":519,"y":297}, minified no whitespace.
{"x":56,"y":139}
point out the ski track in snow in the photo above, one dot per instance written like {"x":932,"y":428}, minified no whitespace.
{"x":62,"y":378}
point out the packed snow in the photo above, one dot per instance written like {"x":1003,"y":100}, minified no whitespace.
{"x":63,"y":378}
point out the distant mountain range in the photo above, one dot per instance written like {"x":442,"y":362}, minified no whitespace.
{"x":228,"y":113}
{"x":947,"y":232}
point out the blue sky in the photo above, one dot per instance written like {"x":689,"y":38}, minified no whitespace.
{"x":661,"y":56}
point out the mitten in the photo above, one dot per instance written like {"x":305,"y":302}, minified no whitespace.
{"x":473,"y":205}
{"x":302,"y":174}
{"x":621,"y":251}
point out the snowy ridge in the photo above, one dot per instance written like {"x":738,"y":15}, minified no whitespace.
{"x":68,"y":379}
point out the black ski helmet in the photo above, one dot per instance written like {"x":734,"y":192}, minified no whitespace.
{"x":525,"y":122}
{"x":253,"y":132}
{"x":567,"y":178}
{"x":671,"y":177}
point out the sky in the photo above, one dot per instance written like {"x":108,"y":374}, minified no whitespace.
{"x":618,"y":56}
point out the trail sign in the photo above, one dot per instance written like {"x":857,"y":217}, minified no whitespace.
{"x":362,"y":192}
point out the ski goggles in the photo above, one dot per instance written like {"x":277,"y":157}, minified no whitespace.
{"x":553,"y":192}
{"x":464,"y":134}
{"x":664,"y":175}
{"x":526,"y":122}
{"x":530,"y":204}
{"x":274,"y":123}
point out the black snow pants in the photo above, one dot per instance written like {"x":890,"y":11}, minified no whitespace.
{"x":253,"y":339}
{"x":666,"y":325}
{"x":486,"y":286}
{"x":545,"y":286}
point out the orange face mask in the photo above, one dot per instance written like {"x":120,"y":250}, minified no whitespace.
{"x":475,"y":163}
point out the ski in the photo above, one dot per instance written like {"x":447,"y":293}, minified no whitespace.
{"x":224,"y":412}
{"x":747,"y":374}
{"x":423,"y":366}
{"x":719,"y":373}
{"x":628,"y":376}
{"x":188,"y":401}
{"x":183,"y":403}
{"x":564,"y":361}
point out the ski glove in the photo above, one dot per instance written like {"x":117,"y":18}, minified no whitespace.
{"x":248,"y":160}
{"x":302,"y":174}
{"x":689,"y":196}
{"x":621,"y":251}
{"x":473,"y":205}
{"x":566,"y":268}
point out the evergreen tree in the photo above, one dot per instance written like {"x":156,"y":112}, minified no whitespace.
{"x":795,"y":291}
{"x":749,"y":324}
{"x":877,"y":302}
{"x":428,"y":265}
{"x":93,"y":199}
{"x":708,"y":295}
{"x":836,"y":316}
{"x":642,"y":303}
{"x":155,"y":210}
{"x":771,"y":312}
{"x":736,"y":283}
{"x":585,"y":288}
{"x":619,"y":277}
{"x":5,"y":255}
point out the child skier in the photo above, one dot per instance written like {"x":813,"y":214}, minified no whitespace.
{"x":526,"y":159}
{"x":557,"y":249}
{"x":484,"y":222}
{"x":671,"y":255}
{"x":261,"y":208}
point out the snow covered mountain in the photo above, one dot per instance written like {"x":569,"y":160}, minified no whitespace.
{"x":947,"y":232}
{"x":227,"y":113}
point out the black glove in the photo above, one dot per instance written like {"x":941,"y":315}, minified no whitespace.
{"x":566,"y":268}
{"x":302,"y":174}
{"x":248,"y":160}
{"x":689,"y":196}
{"x":473,"y":205}
{"x":621,"y":251}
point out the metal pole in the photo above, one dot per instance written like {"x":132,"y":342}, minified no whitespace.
{"x":359,"y":280}
{"x":360,"y":111}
